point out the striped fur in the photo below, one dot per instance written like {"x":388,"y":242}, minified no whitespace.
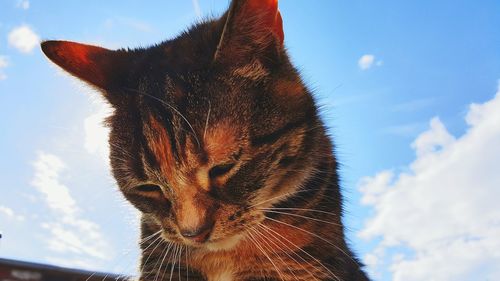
{"x":215,"y":131}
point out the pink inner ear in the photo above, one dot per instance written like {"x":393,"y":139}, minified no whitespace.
{"x":268,"y":10}
{"x":83,"y":61}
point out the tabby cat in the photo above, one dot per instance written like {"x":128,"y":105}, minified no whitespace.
{"x":218,"y":142}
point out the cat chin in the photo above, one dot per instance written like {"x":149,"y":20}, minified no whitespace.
{"x":225,"y":244}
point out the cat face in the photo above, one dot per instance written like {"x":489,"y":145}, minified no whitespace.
{"x":208,"y":127}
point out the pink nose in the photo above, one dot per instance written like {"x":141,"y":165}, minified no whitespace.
{"x":199,"y":235}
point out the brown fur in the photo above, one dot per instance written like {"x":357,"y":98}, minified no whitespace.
{"x":218,"y":142}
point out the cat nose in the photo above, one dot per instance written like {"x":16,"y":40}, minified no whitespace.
{"x":199,"y":235}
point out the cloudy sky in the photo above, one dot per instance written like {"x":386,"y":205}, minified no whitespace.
{"x":409,"y":89}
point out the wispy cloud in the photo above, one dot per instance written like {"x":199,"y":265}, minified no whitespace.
{"x":46,"y":180}
{"x":132,"y":23}
{"x":23,"y":38}
{"x":9,"y":213}
{"x":3,"y":64}
{"x":414,"y":105}
{"x":368,"y":61}
{"x":405,"y":130}
{"x":69,"y":232}
{"x":439,"y":220}
{"x":23,"y":4}
{"x":197,"y":8}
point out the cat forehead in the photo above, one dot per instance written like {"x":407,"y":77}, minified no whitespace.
{"x":219,"y":141}
{"x":253,"y":70}
{"x":223,"y":140}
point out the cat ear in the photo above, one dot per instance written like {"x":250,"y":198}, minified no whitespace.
{"x":97,"y":66}
{"x":251,"y":26}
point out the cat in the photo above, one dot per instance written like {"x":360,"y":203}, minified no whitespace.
{"x":218,"y":142}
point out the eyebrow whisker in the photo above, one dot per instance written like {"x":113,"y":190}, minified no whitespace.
{"x":208,"y":118}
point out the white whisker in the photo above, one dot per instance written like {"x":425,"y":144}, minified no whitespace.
{"x":315,"y":235}
{"x":173,"y":108}
{"x":300,"y":209}
{"x":265,"y":254}
{"x":267,"y":241}
{"x":174,"y":255}
{"x":302,"y":250}
{"x":263,"y":227}
{"x":300,"y":216}
{"x":206,"y":122}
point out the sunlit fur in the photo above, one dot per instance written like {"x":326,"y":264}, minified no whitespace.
{"x":216,"y":130}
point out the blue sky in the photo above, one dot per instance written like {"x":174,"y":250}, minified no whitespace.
{"x":408,"y":90}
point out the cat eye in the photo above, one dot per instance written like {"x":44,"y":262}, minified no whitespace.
{"x":150,"y":191}
{"x":220,"y":170}
{"x":148,"y":188}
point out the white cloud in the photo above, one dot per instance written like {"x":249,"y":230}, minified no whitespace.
{"x":46,"y":181}
{"x":79,"y":237}
{"x":69,"y":232}
{"x":366,"y":62}
{"x":96,"y":134}
{"x":23,"y":38}
{"x":443,"y":210}
{"x":3,"y":64}
{"x":23,"y":4}
{"x":9,"y":213}
{"x":197,"y":8}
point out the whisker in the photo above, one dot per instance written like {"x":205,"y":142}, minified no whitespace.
{"x":180,"y":256}
{"x":265,"y":254}
{"x":317,"y":236}
{"x":123,"y":160}
{"x":300,"y":209}
{"x":269,"y":247}
{"x":206,"y":122}
{"x":92,"y":275}
{"x":162,"y":260}
{"x":160,"y":241}
{"x":300,"y":216}
{"x":264,"y":228}
{"x":120,"y":148}
{"x":145,"y":239}
{"x":174,"y":255}
{"x":159,"y":260}
{"x":269,"y":230}
{"x":279,"y":196}
{"x":296,"y":194}
{"x":119,"y":263}
{"x":171,"y":107}
{"x":312,"y":128}
{"x":187,"y":264}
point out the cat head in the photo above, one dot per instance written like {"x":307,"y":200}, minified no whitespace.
{"x":208,"y":127}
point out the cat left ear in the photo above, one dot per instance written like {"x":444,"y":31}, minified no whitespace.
{"x":97,"y":66}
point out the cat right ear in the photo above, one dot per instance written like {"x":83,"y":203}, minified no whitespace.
{"x":251,"y":28}
{"x":97,"y":66}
